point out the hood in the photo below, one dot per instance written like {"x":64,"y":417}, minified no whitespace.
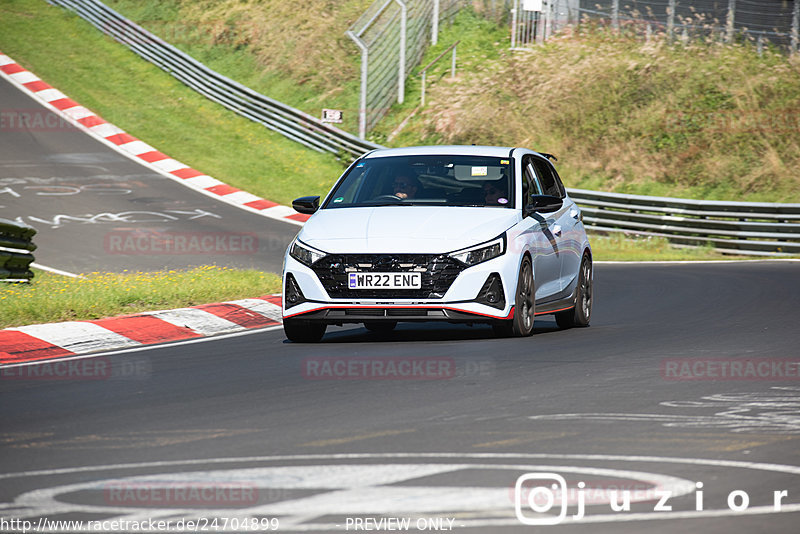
{"x":404,"y":229}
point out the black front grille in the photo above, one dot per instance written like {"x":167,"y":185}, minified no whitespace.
{"x":438,"y":274}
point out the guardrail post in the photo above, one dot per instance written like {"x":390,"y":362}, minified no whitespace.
{"x":16,"y":251}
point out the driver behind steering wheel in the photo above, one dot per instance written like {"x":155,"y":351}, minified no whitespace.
{"x":405,"y":186}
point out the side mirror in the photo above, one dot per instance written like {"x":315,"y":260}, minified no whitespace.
{"x":543,"y":204}
{"x":307,"y":205}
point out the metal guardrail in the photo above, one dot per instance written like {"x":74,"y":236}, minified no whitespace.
{"x":759,"y":228}
{"x":276,"y":116}
{"x":16,"y":251}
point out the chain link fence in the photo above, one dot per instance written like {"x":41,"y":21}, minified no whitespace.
{"x":761,"y":21}
{"x":392,"y":36}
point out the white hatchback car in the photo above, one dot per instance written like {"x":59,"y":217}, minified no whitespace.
{"x":467,"y":234}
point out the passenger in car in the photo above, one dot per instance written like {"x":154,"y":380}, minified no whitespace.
{"x":496,"y":192}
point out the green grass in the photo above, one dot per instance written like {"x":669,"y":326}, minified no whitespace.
{"x":620,"y":247}
{"x":54,"y":298}
{"x":153,"y":106}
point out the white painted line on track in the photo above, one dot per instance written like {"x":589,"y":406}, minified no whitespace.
{"x":777,"y":468}
{"x":54,"y":270}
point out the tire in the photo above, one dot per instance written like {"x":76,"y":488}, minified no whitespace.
{"x":380,"y":326}
{"x":299,"y":331}
{"x":581,"y":314}
{"x":521,"y":325}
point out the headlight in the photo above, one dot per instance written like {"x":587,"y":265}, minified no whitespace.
{"x":481,"y":253}
{"x":304,"y":254}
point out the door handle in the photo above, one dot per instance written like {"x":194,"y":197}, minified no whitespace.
{"x":557,"y":230}
{"x":576,"y":214}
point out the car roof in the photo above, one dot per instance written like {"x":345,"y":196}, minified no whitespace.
{"x":443,"y":150}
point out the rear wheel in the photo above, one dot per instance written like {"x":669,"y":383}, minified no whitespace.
{"x":300,"y":331}
{"x":582,"y":312}
{"x":380,"y":326}
{"x":524,"y":305}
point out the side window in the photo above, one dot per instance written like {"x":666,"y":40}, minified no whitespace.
{"x":559,"y":183}
{"x":548,"y":177}
{"x":530,"y":185}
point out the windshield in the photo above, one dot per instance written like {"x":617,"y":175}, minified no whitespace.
{"x":426,"y":180}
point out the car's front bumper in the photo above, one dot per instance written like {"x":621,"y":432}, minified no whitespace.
{"x":460,"y":303}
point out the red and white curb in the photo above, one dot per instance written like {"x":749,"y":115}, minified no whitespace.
{"x":46,"y":341}
{"x":86,"y":120}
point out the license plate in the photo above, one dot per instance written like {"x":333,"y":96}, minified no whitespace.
{"x":384,"y":280}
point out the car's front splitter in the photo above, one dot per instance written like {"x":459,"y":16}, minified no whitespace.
{"x":347,"y":313}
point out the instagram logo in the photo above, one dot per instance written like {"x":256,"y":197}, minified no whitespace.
{"x":540,"y":491}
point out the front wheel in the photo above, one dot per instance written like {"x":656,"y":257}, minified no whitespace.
{"x":582,"y":312}
{"x":300,"y":331}
{"x":521,"y":324}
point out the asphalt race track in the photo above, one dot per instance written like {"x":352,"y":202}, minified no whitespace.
{"x":86,"y":200}
{"x":279,"y":431}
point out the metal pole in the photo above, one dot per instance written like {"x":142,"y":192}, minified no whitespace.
{"x":539,"y":31}
{"x":513,"y":27}
{"x":547,"y":21}
{"x":796,"y":26}
{"x":615,"y":14}
{"x":671,"y":20}
{"x":435,"y":23}
{"x":453,"y":64}
{"x":362,"y":104}
{"x":422,"y":96}
{"x":731,"y":18}
{"x":401,"y":76}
